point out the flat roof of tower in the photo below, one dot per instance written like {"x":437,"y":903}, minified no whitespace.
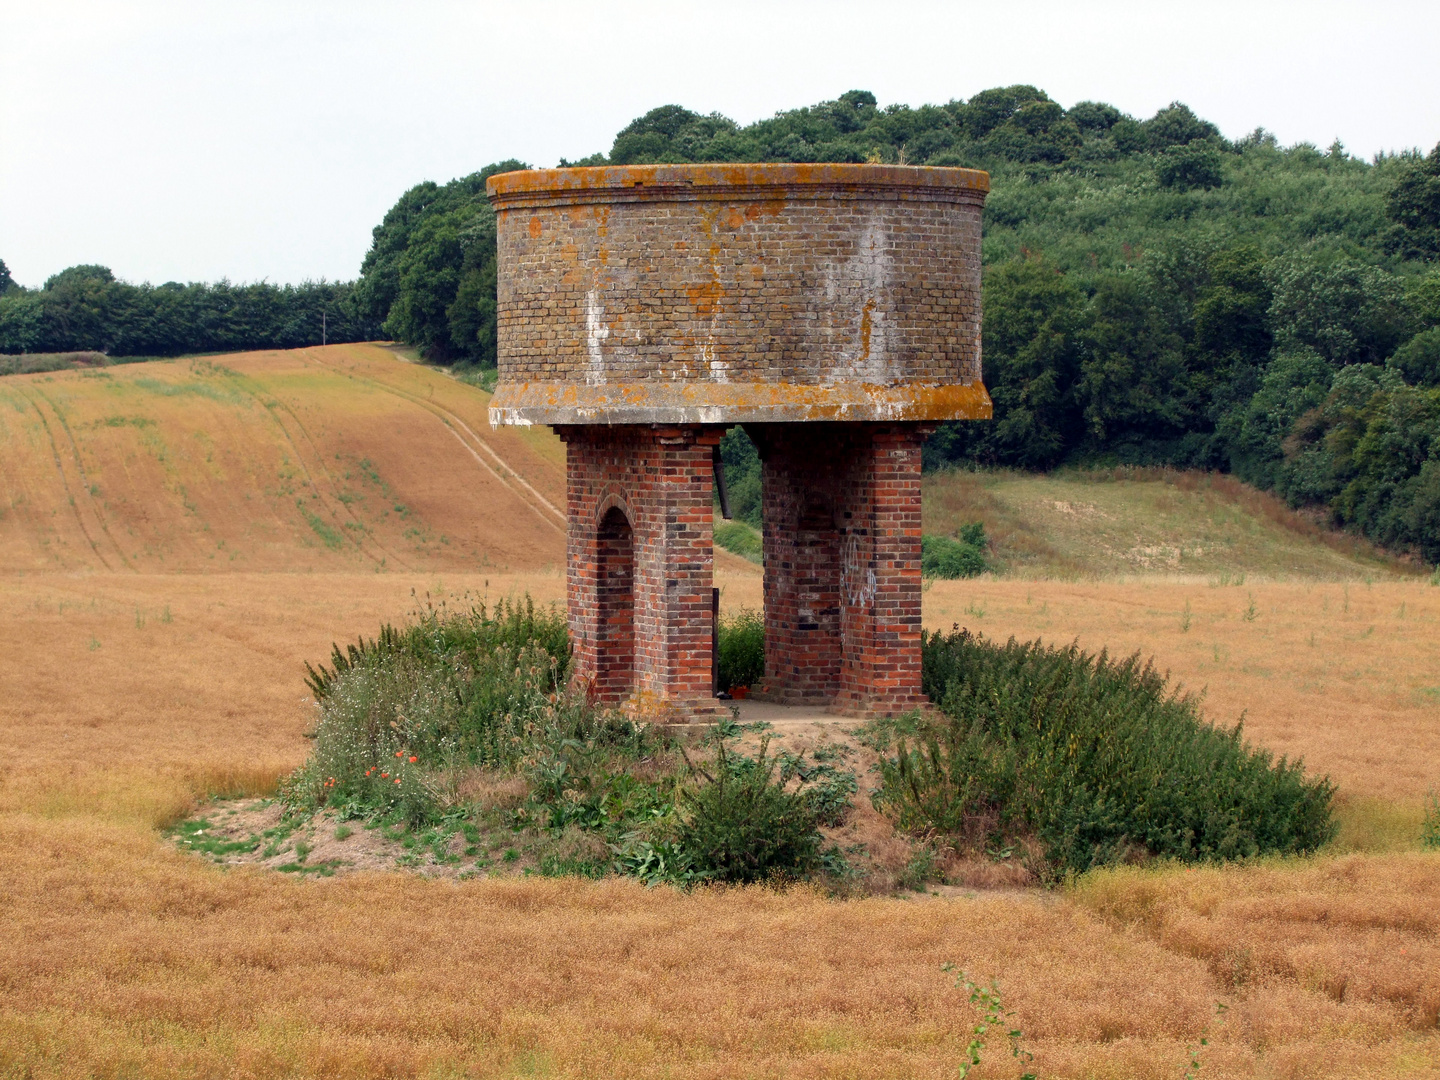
{"x":720,"y":175}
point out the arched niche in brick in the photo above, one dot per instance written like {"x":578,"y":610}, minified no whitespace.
{"x":615,"y":606}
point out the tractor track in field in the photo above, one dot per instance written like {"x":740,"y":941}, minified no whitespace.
{"x":273,"y":406}
{"x":542,"y":507}
{"x":85,"y":501}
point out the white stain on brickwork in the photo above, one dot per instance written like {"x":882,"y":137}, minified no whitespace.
{"x":856,"y":292}
{"x":856,"y":579}
{"x":595,"y":332}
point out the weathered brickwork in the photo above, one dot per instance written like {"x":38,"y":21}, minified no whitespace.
{"x":656,"y":294}
{"x":842,"y":565}
{"x":834,"y":310}
{"x":640,"y":565}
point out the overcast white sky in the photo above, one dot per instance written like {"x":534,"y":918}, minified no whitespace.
{"x":263,"y":140}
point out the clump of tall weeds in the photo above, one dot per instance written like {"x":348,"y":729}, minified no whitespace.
{"x":742,"y":650}
{"x":741,"y":822}
{"x":1089,"y":760}
{"x":477,"y":687}
{"x":454,"y":688}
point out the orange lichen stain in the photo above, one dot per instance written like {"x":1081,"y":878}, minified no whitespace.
{"x":534,"y":226}
{"x":706,"y":298}
{"x":865,"y":323}
{"x":789,"y":401}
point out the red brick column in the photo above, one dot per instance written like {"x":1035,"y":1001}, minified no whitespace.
{"x":802,"y":544}
{"x":658,"y":480}
{"x":842,"y":565}
{"x":880,"y":576}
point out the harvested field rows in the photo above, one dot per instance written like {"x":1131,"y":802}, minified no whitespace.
{"x":125,"y":956}
{"x":311,"y":459}
{"x":273,"y":484}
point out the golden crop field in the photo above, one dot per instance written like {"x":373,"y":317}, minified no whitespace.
{"x":140,"y":673}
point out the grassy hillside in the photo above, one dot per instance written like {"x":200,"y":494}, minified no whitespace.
{"x":349,"y":458}
{"x":1139,"y":522}
{"x":324,"y":458}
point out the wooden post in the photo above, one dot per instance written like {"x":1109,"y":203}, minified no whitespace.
{"x":715,"y":642}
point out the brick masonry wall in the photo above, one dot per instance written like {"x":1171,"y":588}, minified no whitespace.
{"x":762,"y":286}
{"x":659,"y":480}
{"x":842,"y":565}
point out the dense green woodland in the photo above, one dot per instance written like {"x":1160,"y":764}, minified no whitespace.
{"x":1154,"y":293}
{"x":85,"y":308}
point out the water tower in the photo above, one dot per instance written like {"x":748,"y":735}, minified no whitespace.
{"x":834,"y":311}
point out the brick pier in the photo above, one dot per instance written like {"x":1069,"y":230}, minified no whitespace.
{"x":842,"y":565}
{"x":641,"y":564}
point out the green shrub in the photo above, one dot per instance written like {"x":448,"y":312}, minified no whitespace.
{"x":582,"y":779}
{"x":828,"y":787}
{"x":440,"y":636}
{"x":741,"y":824}
{"x":740,"y":539}
{"x":742,"y":650}
{"x":948,"y":557}
{"x":1096,"y":759}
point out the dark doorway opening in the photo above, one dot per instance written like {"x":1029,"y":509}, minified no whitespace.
{"x":615,"y":552}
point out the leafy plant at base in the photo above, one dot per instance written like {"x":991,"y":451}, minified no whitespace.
{"x":948,"y":557}
{"x":827,"y":787}
{"x":479,"y":686}
{"x":1096,"y":759}
{"x":993,"y":1014}
{"x":742,"y":650}
{"x":741,"y":825}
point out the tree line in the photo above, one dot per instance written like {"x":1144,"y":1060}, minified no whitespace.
{"x":84,"y":308}
{"x":1155,"y":294}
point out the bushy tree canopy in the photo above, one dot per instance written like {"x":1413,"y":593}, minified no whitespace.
{"x":429,"y":275}
{"x":1413,"y":204}
{"x":1153,"y":294}
{"x":86,"y":308}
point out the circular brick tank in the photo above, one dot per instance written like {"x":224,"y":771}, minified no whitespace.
{"x":739,"y":293}
{"x":834,"y":311}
